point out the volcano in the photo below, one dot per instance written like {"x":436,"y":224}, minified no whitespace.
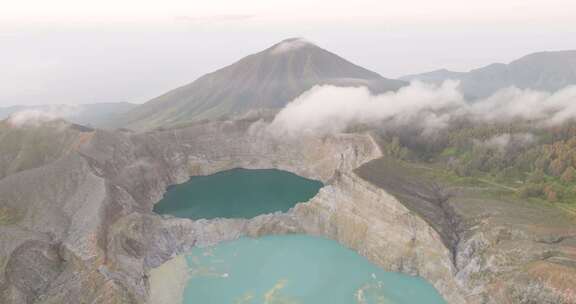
{"x":266,"y":80}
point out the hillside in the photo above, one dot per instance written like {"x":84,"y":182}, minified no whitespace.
{"x":524,"y":161}
{"x":31,"y":145}
{"x":265,"y":80}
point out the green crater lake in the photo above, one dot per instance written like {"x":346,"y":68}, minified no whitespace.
{"x":295,"y":269}
{"x":237,"y":193}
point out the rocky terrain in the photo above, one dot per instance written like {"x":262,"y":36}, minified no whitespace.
{"x":79,"y":228}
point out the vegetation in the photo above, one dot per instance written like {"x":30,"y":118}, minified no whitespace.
{"x":533,"y":162}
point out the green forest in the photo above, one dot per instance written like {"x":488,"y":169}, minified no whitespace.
{"x":535,"y":162}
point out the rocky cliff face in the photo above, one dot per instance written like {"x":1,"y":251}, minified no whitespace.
{"x":80,"y":229}
{"x":502,"y":250}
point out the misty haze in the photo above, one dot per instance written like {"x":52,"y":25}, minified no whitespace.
{"x":302,"y":152}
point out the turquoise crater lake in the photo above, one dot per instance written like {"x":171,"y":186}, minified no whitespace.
{"x":295,"y":269}
{"x":237,"y":193}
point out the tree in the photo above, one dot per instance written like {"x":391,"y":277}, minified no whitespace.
{"x":552,"y":196}
{"x":463,"y":168}
{"x":552,"y":193}
{"x":531,"y":190}
{"x":536,"y":177}
{"x":557,"y":167}
{"x":568,"y":175}
{"x":393,"y":148}
{"x":541,"y":163}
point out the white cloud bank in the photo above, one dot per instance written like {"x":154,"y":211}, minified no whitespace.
{"x":504,"y":141}
{"x":330,"y":109}
{"x":34,"y":117}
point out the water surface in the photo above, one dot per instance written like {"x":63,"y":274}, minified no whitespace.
{"x":296,"y":269}
{"x":237,"y":193}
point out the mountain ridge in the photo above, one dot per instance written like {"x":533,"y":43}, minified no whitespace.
{"x":544,"y":71}
{"x":268,"y":79}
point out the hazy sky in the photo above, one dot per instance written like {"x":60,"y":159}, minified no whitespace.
{"x":74,"y":51}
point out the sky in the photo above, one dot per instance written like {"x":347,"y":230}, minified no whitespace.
{"x":75,"y":51}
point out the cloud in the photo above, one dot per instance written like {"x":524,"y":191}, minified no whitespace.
{"x":30,"y":118}
{"x":37,"y":116}
{"x":513,"y":103}
{"x":503,"y":141}
{"x":330,"y":109}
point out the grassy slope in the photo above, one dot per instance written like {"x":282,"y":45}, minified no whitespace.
{"x":486,"y":186}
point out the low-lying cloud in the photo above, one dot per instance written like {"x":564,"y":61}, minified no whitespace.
{"x":330,"y":109}
{"x":504,"y":141}
{"x":37,"y":116}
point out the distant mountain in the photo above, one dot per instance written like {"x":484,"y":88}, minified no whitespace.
{"x":435,"y":76}
{"x":265,"y":80}
{"x":545,"y":71}
{"x":95,"y":115}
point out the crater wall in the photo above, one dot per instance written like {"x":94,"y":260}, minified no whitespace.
{"x":84,"y":222}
